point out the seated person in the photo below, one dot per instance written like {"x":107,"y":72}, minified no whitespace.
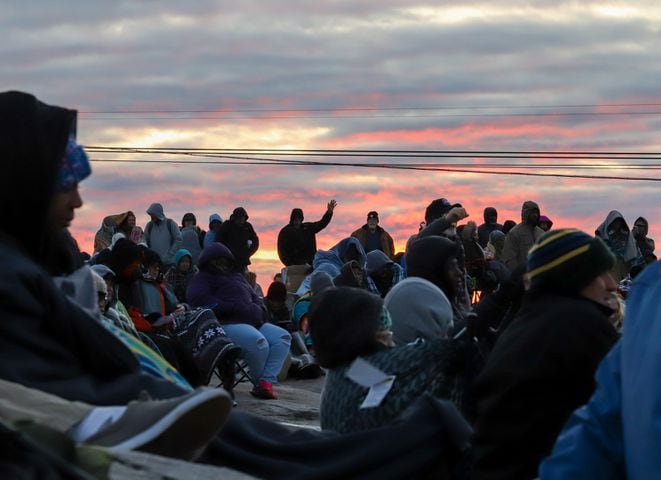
{"x":419,"y":309}
{"x":349,"y":324}
{"x":178,"y":275}
{"x":222,"y":286}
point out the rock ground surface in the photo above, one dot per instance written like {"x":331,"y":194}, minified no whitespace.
{"x":297,"y":402}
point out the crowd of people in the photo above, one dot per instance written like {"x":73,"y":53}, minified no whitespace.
{"x":472,"y":354}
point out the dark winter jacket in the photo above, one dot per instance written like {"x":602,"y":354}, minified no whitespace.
{"x":47,"y":342}
{"x":297,"y":246}
{"x":240,"y":239}
{"x":229,"y":294}
{"x":484,"y":230}
{"x":541,"y":369}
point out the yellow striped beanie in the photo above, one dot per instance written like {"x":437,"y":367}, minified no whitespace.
{"x":567,"y":260}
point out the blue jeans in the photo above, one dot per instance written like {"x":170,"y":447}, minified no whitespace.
{"x":264,"y":350}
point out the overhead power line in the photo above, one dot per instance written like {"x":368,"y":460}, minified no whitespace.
{"x":370,"y":109}
{"x":439,"y":111}
{"x":474,"y":169}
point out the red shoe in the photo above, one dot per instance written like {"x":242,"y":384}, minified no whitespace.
{"x":263,"y":390}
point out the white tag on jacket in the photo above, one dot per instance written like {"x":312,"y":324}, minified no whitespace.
{"x":367,"y":375}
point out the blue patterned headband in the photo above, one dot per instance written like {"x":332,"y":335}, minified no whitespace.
{"x":75,"y":166}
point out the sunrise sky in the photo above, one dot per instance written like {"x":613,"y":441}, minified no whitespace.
{"x":359,"y":75}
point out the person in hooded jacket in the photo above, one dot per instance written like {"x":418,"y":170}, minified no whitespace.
{"x":438,"y":260}
{"x":351,"y":325}
{"x":545,"y":223}
{"x":239,"y":236}
{"x":192,"y":236}
{"x":221,"y":286}
{"x":297,"y":242}
{"x":542,"y":366}
{"x":521,"y":238}
{"x":215,"y":222}
{"x":490,"y":225}
{"x":615,"y":232}
{"x":384,"y":273}
{"x":419,"y":309}
{"x":73,"y":355}
{"x":162,"y":234}
{"x":179,"y":276}
{"x":645,"y":244}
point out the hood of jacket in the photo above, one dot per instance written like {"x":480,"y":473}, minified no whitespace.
{"x":489,"y":211}
{"x":603,"y":228}
{"x":527,"y":208}
{"x":419,"y":309}
{"x":295,"y":213}
{"x":156,"y":209}
{"x":239,"y":212}
{"x":428,"y":257}
{"x":33,"y":142}
{"x":213,"y":251}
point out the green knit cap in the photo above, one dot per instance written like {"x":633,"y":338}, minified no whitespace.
{"x":567,"y":260}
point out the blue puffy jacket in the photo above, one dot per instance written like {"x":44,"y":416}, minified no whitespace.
{"x":617,"y":435}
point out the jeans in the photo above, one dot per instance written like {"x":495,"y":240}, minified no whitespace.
{"x":264,"y":350}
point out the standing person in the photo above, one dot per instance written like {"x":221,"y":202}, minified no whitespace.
{"x":645,"y":244}
{"x":490,"y":224}
{"x":522,"y":237}
{"x":162,"y":234}
{"x":123,"y":223}
{"x":615,"y":232}
{"x":542,"y":366}
{"x":239,"y":236}
{"x":297,"y":241}
{"x":374,"y":237}
{"x":215,"y":222}
{"x":192,"y":236}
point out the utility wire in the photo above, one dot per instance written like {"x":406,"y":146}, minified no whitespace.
{"x":371,"y":109}
{"x":383,"y":166}
{"x":362,"y":152}
{"x":510,"y":155}
{"x":221,"y":116}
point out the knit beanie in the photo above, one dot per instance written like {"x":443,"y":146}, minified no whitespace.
{"x":567,"y":260}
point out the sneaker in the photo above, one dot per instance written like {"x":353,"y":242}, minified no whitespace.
{"x":179,"y":427}
{"x":263,"y":390}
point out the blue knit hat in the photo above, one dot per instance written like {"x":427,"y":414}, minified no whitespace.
{"x":567,"y":260}
{"x":75,"y":166}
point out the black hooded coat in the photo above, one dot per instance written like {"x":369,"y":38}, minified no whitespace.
{"x":47,"y":342}
{"x":241,"y":239}
{"x":297,"y":245}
